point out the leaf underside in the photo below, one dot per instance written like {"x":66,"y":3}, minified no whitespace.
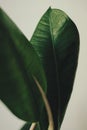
{"x":56,"y":41}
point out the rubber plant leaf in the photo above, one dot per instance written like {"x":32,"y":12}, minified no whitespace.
{"x":18,"y":64}
{"x":56,"y":41}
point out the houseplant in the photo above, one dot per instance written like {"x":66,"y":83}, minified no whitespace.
{"x":48,"y":61}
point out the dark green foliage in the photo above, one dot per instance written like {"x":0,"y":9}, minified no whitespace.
{"x":51,"y":56}
{"x":56,"y":41}
{"x":18,"y":63}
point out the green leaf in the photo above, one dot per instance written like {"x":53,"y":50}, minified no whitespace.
{"x":18,"y":64}
{"x":26,"y":126}
{"x":56,"y":41}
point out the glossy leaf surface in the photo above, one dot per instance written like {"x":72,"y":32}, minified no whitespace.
{"x":56,"y":41}
{"x":18,"y":63}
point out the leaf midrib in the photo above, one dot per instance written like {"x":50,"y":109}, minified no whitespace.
{"x":56,"y":65}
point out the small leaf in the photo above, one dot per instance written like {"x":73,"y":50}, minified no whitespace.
{"x":28,"y":125}
{"x":18,"y":63}
{"x":56,"y":41}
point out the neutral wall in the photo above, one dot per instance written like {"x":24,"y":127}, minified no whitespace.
{"x":26,"y":14}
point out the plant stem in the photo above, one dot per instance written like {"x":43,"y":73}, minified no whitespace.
{"x":33,"y":125}
{"x":48,"y":109}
